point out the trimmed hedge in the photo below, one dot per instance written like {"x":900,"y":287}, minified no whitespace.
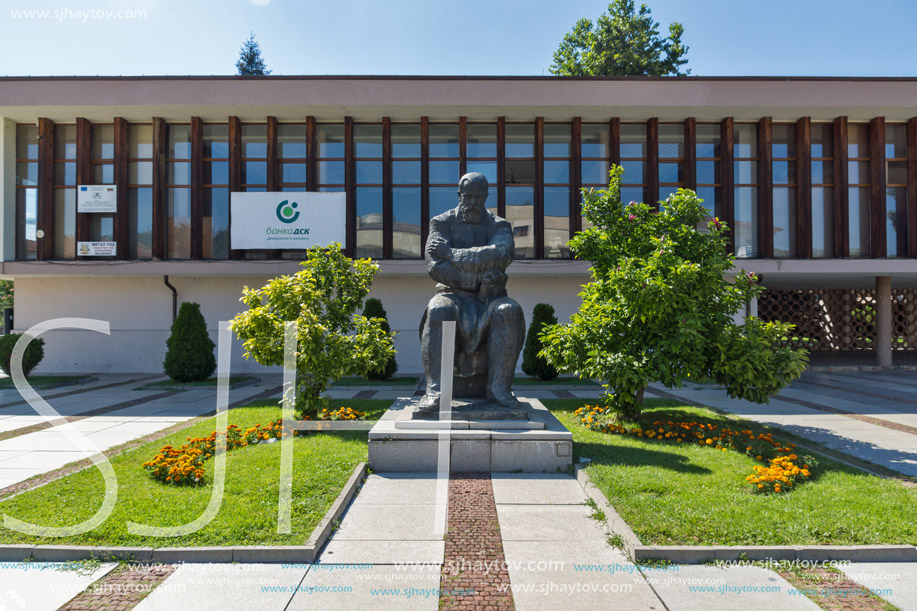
{"x":30,"y":359}
{"x":189,"y":357}
{"x":532,"y":364}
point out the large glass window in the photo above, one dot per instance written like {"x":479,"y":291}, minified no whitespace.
{"x":896,"y":190}
{"x":292,"y":156}
{"x":481,"y":154}
{"x":822,"y":190}
{"x":443,"y":142}
{"x":633,"y":161}
{"x":140,"y":191}
{"x":367,"y":141}
{"x":26,"y":191}
{"x":858,"y":189}
{"x":406,"y":191}
{"x":556,"y":154}
{"x":330,"y":141}
{"x":102,"y":226}
{"x":745,"y":153}
{"x":254,"y":157}
{"x":216,"y":191}
{"x":708,"y":163}
{"x":671,"y":164}
{"x":519,"y":175}
{"x":783,"y":157}
{"x":65,"y":191}
{"x":178,"y":192}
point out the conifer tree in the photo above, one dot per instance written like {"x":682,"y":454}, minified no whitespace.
{"x":189,"y":357}
{"x":250,"y":61}
{"x":533,"y":364}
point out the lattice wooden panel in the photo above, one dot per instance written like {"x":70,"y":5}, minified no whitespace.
{"x":840,"y":319}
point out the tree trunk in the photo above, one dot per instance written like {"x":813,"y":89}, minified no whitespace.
{"x":640,"y":396}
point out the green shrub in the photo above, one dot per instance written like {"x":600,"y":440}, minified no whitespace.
{"x":533,"y":364}
{"x":189,"y":357}
{"x":30,"y":359}
{"x":374,"y":309}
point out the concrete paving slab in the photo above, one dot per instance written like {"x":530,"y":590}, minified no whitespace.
{"x":25,"y":586}
{"x":382,"y":552}
{"x":398,"y":489}
{"x":43,"y":461}
{"x":379,"y":587}
{"x":388,"y":523}
{"x":217,"y":587}
{"x":536,"y":489}
{"x":548,"y":523}
{"x":895,"y":582}
{"x":703,"y":588}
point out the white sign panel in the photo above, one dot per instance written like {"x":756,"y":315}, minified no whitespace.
{"x":97,"y":198}
{"x":287,"y":220}
{"x":96,"y":249}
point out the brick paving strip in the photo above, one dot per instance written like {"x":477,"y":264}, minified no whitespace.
{"x":82,"y":390}
{"x":833,"y":591}
{"x":121,"y":589}
{"x":44,"y":478}
{"x":473,"y":543}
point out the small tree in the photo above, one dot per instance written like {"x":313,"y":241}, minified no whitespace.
{"x":621,"y":43}
{"x":660,"y":308}
{"x":250,"y":61}
{"x":533,"y":363}
{"x":189,"y":357}
{"x":374,"y":309}
{"x":30,"y":358}
{"x":332,"y":341}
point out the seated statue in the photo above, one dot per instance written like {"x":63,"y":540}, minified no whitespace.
{"x":467,"y":253}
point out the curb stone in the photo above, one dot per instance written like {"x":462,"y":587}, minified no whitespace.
{"x":614,"y":524}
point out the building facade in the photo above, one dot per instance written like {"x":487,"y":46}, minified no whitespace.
{"x":816,"y":177}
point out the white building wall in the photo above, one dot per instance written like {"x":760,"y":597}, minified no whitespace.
{"x":139,"y":312}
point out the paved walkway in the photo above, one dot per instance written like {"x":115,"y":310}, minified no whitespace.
{"x":871,"y":415}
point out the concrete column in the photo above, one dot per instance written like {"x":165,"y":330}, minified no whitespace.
{"x":7,"y":189}
{"x":884,"y":321}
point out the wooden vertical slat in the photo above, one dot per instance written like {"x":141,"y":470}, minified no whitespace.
{"x":350,"y":187}
{"x":235,"y":172}
{"x":652,"y":162}
{"x":765,"y":190}
{"x":122,"y":215}
{"x":912,"y":187}
{"x":424,"y":183}
{"x":576,"y":175}
{"x":726,"y":207}
{"x":160,"y":150}
{"x":691,"y":153}
{"x":197,"y":188}
{"x":841,"y":186}
{"x":614,"y":141}
{"x":311,"y":155}
{"x":463,"y":144}
{"x":273,"y":170}
{"x":501,"y":167}
{"x":388,"y":209}
{"x":84,"y":175}
{"x":539,"y":188}
{"x":877,"y":233}
{"x":804,"y":188}
{"x":45,"y":221}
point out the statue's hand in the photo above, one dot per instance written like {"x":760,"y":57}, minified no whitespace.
{"x":493,"y":284}
{"x":440,"y":249}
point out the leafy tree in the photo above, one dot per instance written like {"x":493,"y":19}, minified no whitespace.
{"x":189,"y":357}
{"x":622,"y":42}
{"x":533,"y":363}
{"x":250,"y":61}
{"x":659,"y":307}
{"x":332,"y":341}
{"x":374,"y":309}
{"x":6,"y":294}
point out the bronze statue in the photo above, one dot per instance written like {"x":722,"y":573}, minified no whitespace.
{"x":467,"y":253}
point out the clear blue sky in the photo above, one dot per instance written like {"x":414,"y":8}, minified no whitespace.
{"x":474,"y":37}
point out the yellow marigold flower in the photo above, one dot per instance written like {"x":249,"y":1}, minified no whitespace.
{"x":709,"y":441}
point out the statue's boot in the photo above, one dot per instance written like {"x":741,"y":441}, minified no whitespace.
{"x":503,"y":348}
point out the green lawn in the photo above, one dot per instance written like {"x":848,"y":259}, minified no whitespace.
{"x":558,"y":381}
{"x":692,"y":495}
{"x":46,"y":381}
{"x":393,"y":381}
{"x":166,"y":384}
{"x":322,"y":463}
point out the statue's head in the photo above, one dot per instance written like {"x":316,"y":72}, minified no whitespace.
{"x":472,"y":192}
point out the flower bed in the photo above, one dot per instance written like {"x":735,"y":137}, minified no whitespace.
{"x":780,"y":475}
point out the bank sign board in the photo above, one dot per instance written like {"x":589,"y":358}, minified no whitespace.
{"x":287,"y":220}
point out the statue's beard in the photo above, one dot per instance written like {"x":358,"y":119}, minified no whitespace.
{"x":471,"y":215}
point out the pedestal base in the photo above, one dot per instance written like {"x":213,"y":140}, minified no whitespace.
{"x":539,"y":443}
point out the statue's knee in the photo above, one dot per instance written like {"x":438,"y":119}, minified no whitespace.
{"x":509,"y":310}
{"x":440,"y":312}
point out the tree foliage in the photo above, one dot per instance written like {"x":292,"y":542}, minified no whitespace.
{"x":533,"y":363}
{"x":332,"y":341}
{"x":660,"y":306}
{"x":622,"y":42}
{"x":30,"y":358}
{"x":250,"y":61}
{"x":374,"y":309}
{"x":189,"y":354}
{"x":6,"y":294}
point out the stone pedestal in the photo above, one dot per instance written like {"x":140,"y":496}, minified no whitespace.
{"x":539,"y":443}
